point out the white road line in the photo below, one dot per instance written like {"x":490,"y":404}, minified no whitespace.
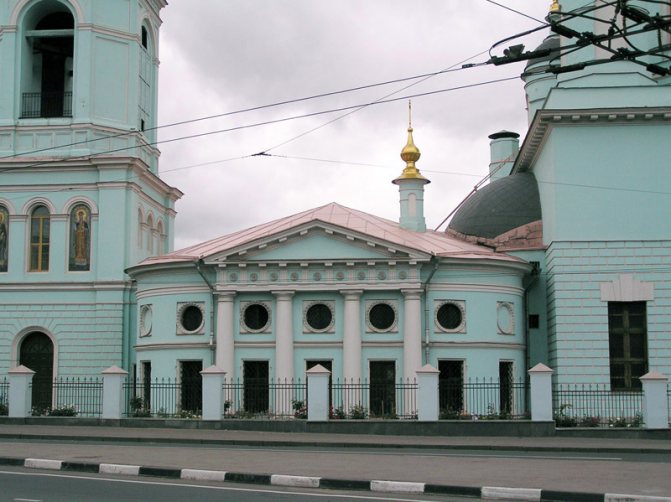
{"x":220,"y":488}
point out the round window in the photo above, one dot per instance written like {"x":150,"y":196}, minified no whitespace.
{"x":192,"y":318}
{"x":449,"y":316}
{"x":256,"y":317}
{"x":382,"y":316}
{"x":319,"y":316}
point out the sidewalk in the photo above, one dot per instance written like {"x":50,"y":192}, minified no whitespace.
{"x":403,"y":463}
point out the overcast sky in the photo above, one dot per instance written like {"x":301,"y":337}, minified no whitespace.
{"x":220,"y":56}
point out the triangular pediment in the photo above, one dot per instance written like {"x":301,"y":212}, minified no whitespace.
{"x":318,"y":242}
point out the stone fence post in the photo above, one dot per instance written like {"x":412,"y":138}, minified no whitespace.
{"x":318,"y":393}
{"x":213,"y":395}
{"x":541,"y":393}
{"x":113,"y":395}
{"x":427,"y":394}
{"x":20,"y":394}
{"x":655,"y":400}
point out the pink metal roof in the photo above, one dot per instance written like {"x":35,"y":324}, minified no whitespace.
{"x":430,"y":242}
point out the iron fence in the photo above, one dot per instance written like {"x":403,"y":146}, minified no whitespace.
{"x":164,"y":398}
{"x":68,"y":397}
{"x":260,"y":397}
{"x":360,"y":399}
{"x":46,"y":104}
{"x":489,"y":399}
{"x":590,"y":405}
{"x":4,"y":396}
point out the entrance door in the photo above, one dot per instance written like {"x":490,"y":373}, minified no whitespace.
{"x":37,"y":353}
{"x":382,"y":388}
{"x":191,"y":385}
{"x":505,"y":387}
{"x":255,"y":383}
{"x":451,"y":386}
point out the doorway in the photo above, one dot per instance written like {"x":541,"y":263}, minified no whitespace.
{"x":191,"y":385}
{"x":255,"y":386}
{"x":37,"y":353}
{"x":451,"y":387}
{"x":382,"y":388}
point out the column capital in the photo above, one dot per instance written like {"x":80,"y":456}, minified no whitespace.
{"x":351,"y":294}
{"x":225,"y":296}
{"x":412,"y":294}
{"x":283,"y":295}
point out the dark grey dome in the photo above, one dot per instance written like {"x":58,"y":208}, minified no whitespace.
{"x":552,"y":43}
{"x":499,"y":207}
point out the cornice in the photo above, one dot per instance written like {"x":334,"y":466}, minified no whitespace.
{"x":545,"y":120}
{"x":172,"y":346}
{"x":39,"y":287}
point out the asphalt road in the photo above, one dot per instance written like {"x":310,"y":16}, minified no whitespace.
{"x":592,"y":472}
{"x":18,"y":485}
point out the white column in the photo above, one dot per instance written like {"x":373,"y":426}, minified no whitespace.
{"x":213,"y":399}
{"x":20,"y":397}
{"x":541,"y":393}
{"x":412,"y":332}
{"x":113,"y":395}
{"x":427,"y":394}
{"x":225,"y":351}
{"x":655,"y":400}
{"x":352,"y":335}
{"x":284,"y":335}
{"x":318,"y":393}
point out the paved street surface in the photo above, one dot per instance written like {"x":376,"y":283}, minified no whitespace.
{"x":641,"y":467}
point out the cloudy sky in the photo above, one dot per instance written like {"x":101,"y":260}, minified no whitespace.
{"x":221,"y":56}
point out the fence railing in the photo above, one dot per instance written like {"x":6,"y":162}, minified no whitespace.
{"x":260,"y":397}
{"x":46,"y":104}
{"x":4,"y":396}
{"x":590,"y":405}
{"x":68,"y":397}
{"x":483,"y":399}
{"x":163,"y":398}
{"x":359,"y":399}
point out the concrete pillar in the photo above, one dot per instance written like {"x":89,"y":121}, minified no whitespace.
{"x":655,"y":400}
{"x":113,"y":392}
{"x":318,"y":393}
{"x":225,"y":351}
{"x":213,"y":397}
{"x":20,"y":397}
{"x":427,"y":394}
{"x":352,"y":335}
{"x":412,"y":332}
{"x":541,"y":393}
{"x":284,"y":335}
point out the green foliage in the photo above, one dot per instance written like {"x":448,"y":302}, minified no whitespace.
{"x":4,"y":410}
{"x":358,"y":412}
{"x":587,"y":421}
{"x":64,"y":411}
{"x":564,"y":420}
{"x":629,"y":422}
{"x":300,"y":409}
{"x":337,"y":413}
{"x":138,"y":409}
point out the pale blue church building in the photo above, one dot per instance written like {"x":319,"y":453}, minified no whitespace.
{"x":563,"y":258}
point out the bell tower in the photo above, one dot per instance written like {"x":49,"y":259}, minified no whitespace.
{"x":80,"y":195}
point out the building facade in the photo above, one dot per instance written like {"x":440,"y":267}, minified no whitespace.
{"x":564,"y":258}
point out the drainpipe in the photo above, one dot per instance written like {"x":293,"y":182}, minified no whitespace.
{"x":427,"y":310}
{"x":198,"y":264}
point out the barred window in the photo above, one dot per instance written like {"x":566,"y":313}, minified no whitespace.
{"x":627,"y":340}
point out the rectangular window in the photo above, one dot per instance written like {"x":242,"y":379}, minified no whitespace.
{"x":628,"y":344}
{"x":505,"y":387}
{"x":451,"y":388}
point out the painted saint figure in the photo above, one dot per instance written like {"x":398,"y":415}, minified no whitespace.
{"x":80,"y":239}
{"x":3,"y":239}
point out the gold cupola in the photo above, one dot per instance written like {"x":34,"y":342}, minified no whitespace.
{"x":411,"y":186}
{"x":555,"y":7}
{"x":410,"y":155}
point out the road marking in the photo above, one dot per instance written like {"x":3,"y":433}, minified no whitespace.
{"x":220,"y":488}
{"x":396,"y":486}
{"x":41,"y":463}
{"x":500,"y":493}
{"x":294,"y":481}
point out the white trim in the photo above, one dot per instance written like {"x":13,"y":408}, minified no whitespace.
{"x":508,"y":329}
{"x":460,"y":304}
{"x":627,"y":289}
{"x":80,"y":199}
{"x":20,"y":10}
{"x":21,"y":335}
{"x":181,"y":329}
{"x":307,"y":305}
{"x":393,"y":328}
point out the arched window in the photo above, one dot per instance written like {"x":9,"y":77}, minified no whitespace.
{"x":39,"y":239}
{"x":147,"y":76}
{"x":4,"y":238}
{"x":80,"y":238}
{"x":160,"y":238}
{"x":47,"y":74}
{"x":140,"y":224}
{"x":150,"y":234}
{"x":145,"y":37}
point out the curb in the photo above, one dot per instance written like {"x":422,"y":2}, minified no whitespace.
{"x":331,"y":444}
{"x":485,"y":492}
